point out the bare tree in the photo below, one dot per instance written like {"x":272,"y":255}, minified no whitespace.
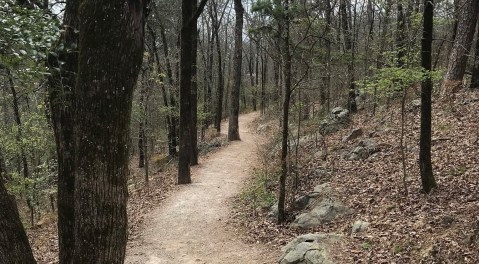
{"x":233,"y":129}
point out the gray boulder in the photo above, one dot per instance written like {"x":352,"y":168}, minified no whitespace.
{"x":355,"y":133}
{"x":365,"y":148}
{"x":273,"y":212}
{"x":335,"y":121}
{"x":370,"y":145}
{"x":308,"y":249}
{"x":325,"y":211}
{"x":301,"y":202}
{"x":359,"y":226}
{"x":321,"y":191}
{"x":339,"y":114}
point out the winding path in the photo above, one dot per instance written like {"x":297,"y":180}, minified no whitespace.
{"x":190,"y":227}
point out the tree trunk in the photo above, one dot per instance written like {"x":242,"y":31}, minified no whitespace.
{"x":194,"y":93}
{"x":18,"y":138}
{"x":233,"y":129}
{"x":475,"y":68}
{"x":286,"y":60}
{"x":62,"y":103}
{"x":462,"y":44}
{"x":172,"y":135}
{"x":170,"y":117}
{"x":106,"y":78}
{"x":14,"y":246}
{"x":348,"y":46}
{"x":186,"y":74}
{"x":425,"y":165}
{"x":220,"y":87}
{"x":141,"y":134}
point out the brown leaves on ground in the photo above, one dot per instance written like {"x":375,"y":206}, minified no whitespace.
{"x":440,"y":227}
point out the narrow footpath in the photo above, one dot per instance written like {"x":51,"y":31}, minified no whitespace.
{"x":190,"y":226}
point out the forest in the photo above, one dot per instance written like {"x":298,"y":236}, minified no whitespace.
{"x":239,"y":131}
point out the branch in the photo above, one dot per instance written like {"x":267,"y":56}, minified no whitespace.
{"x":198,"y":12}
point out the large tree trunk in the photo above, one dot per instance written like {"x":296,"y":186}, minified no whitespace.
{"x":14,"y":246}
{"x":475,"y":68}
{"x":233,"y":129}
{"x":186,"y":73}
{"x":61,"y":100}
{"x":462,"y":44}
{"x":106,"y":77}
{"x":425,"y":164}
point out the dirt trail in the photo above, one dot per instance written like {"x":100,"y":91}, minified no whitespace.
{"x":190,"y":227}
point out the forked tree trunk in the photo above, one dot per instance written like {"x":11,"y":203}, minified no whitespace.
{"x":233,"y":128}
{"x":106,"y":77}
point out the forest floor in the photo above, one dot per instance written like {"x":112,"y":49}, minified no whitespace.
{"x":191,"y":226}
{"x":412,"y":227}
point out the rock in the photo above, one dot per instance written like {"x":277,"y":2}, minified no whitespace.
{"x":326,"y":211}
{"x":326,"y":127}
{"x":359,"y":226}
{"x":273,"y":212}
{"x":339,"y":114}
{"x":308,"y":249}
{"x":416,"y":103}
{"x":355,"y":133}
{"x":358,"y":153}
{"x":365,"y":148}
{"x":337,"y":110}
{"x":301,"y":202}
{"x":370,"y":145}
{"x":322,"y":190}
{"x":336,"y":120}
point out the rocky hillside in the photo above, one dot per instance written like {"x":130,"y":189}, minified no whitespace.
{"x":354,"y":199}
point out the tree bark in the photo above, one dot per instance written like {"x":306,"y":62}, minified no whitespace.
{"x":194,"y":94}
{"x":462,"y":44}
{"x":62,"y":102}
{"x":346,"y":23}
{"x":220,"y":87}
{"x":286,"y":61}
{"x":475,"y":67}
{"x":233,"y":128}
{"x":186,"y":74}
{"x":14,"y":246}
{"x":106,"y":78}
{"x":425,"y":164}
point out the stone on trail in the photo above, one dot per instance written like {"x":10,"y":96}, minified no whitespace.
{"x":359,"y":226}
{"x":308,"y":249}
